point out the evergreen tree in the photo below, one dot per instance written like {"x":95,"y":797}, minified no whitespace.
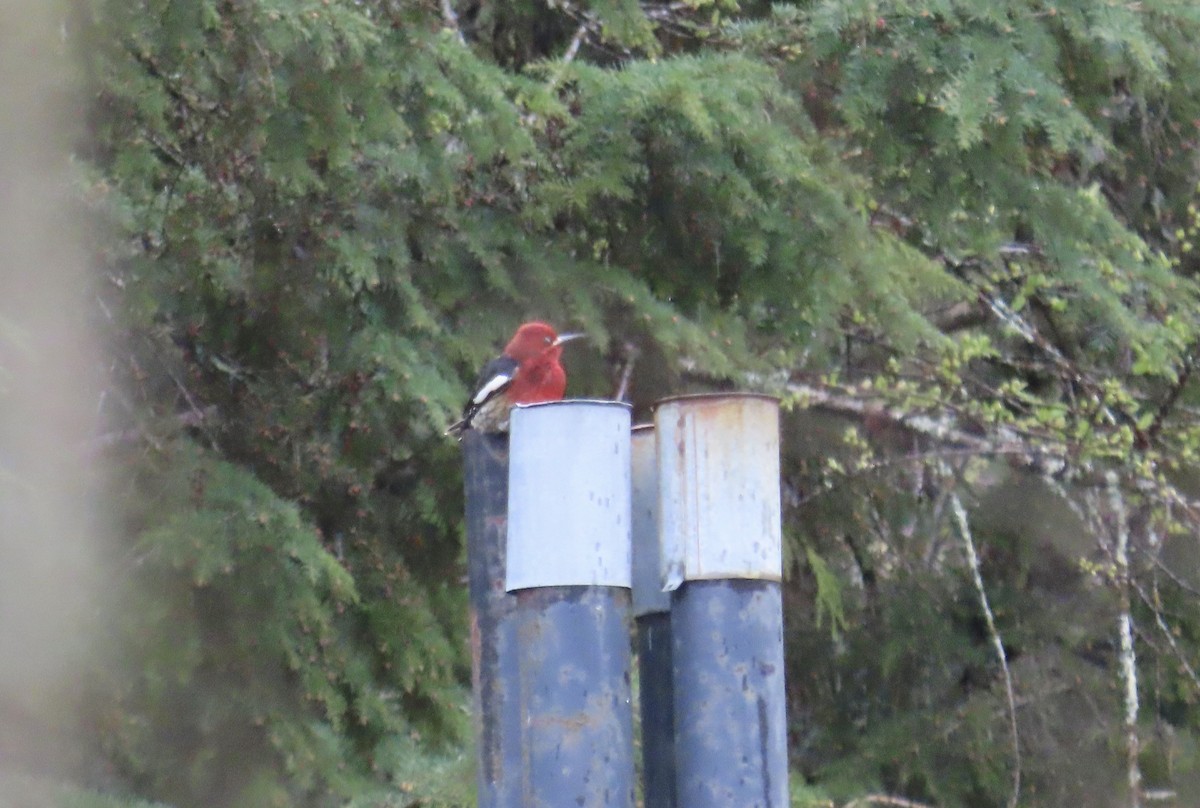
{"x":963,"y":226}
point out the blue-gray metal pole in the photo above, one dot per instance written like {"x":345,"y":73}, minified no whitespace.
{"x":495,"y":671}
{"x":652,"y":612}
{"x":569,"y":565}
{"x":575,"y":697}
{"x":730,"y":720}
{"x":720,"y":519}
{"x":657,"y":696}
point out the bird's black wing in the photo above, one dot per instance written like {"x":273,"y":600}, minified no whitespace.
{"x":495,"y":377}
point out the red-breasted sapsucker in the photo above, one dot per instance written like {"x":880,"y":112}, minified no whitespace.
{"x":527,"y":372}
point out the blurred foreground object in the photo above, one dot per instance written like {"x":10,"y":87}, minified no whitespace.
{"x":48,"y":560}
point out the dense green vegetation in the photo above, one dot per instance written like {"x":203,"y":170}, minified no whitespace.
{"x":957,"y":236}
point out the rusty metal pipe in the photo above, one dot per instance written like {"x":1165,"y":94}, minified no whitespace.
{"x":568,"y":563}
{"x":730,"y":721}
{"x":718,"y":463}
{"x":495,"y":674}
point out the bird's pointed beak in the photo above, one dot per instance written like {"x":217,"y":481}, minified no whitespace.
{"x":567,"y":338}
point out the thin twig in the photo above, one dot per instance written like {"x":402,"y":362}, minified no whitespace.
{"x":450,"y":18}
{"x":1069,"y":371}
{"x":1058,"y":488}
{"x":183,"y":420}
{"x":862,"y":470}
{"x":631,"y":355}
{"x":885,"y":799}
{"x":1045,"y":456}
{"x":587,"y":24}
{"x":1153,"y":601}
{"x":1190,"y":588}
{"x":964,"y":529}
{"x":152,"y":68}
{"x":1152,"y":604}
{"x":576,"y":41}
{"x":1166,"y":406}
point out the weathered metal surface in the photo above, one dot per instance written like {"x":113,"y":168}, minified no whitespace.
{"x":720,"y":522}
{"x":569,"y":495}
{"x":648,"y":594}
{"x":731,"y":743}
{"x":718,"y":459}
{"x":576,"y":715}
{"x":494,"y":647}
{"x":657,"y":696}
{"x":651,"y":608}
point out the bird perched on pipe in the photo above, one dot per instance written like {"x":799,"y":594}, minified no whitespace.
{"x":528,"y":372}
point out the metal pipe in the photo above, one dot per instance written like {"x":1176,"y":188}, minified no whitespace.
{"x":718,"y":462}
{"x":495,"y":675}
{"x":652,"y":613}
{"x":730,"y":721}
{"x":569,"y":562}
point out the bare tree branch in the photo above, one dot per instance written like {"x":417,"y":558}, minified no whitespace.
{"x":1041,"y":455}
{"x":1044,"y":458}
{"x":184,"y":420}
{"x":885,"y":799}
{"x":964,"y":529}
{"x":631,"y":355}
{"x":450,"y":19}
{"x":1152,"y":604}
{"x":576,"y":41}
{"x":1128,"y":658}
{"x":1167,"y":405}
{"x":587,"y":24}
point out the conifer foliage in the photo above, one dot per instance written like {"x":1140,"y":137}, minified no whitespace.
{"x":955,"y":234}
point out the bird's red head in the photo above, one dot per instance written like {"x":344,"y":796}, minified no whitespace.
{"x":536,"y":339}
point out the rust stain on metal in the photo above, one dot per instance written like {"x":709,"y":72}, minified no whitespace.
{"x":494,"y":682}
{"x":719,"y":477}
{"x":476,"y":645}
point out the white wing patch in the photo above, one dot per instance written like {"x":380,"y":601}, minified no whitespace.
{"x":494,"y":384}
